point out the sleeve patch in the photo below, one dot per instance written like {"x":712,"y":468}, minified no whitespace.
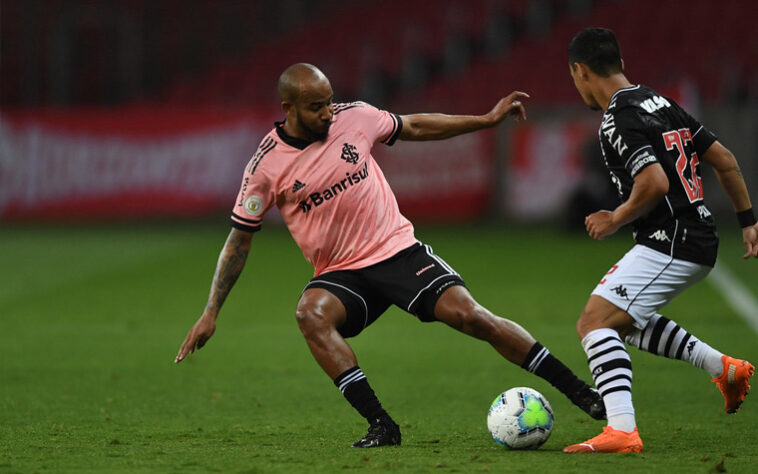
{"x":640,"y":161}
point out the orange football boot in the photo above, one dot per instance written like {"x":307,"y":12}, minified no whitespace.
{"x":609,"y":441}
{"x":734,"y":382}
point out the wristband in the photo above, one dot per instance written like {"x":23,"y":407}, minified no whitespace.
{"x":746,"y":218}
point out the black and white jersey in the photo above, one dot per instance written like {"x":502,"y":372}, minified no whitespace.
{"x":640,"y":128}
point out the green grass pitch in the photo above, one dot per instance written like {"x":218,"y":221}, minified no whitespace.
{"x":91,"y":319}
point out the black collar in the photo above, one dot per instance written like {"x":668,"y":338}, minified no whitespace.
{"x":299,"y":143}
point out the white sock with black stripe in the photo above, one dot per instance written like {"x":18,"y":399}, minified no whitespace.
{"x":611,"y":369}
{"x":665,"y":337}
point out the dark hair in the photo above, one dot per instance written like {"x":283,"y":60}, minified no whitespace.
{"x":598,"y":49}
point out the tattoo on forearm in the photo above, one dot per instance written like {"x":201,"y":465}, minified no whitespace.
{"x":737,"y":170}
{"x":229,"y":267}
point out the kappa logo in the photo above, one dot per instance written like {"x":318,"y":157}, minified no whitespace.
{"x":659,"y":235}
{"x":621,"y":291}
{"x":349,"y":153}
{"x":691,"y":347}
{"x":703,"y":212}
{"x":297,"y":186}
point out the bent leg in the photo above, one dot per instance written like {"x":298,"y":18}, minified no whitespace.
{"x":600,"y":328}
{"x":458,"y":309}
{"x":319,"y":314}
{"x":599,"y":313}
{"x":665,"y":337}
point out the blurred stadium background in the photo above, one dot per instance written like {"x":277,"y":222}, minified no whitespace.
{"x":119,"y":115}
{"x":131,"y":109}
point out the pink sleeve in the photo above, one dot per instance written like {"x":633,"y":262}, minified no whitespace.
{"x":256,"y":195}
{"x":378,"y":125}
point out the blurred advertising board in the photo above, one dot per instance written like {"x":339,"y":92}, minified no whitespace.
{"x":546,"y":166}
{"x":137,"y":162}
{"x":117,"y":164}
{"x":449,"y":180}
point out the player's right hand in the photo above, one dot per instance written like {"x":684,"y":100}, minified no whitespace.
{"x":197,"y":337}
{"x":750,"y":239}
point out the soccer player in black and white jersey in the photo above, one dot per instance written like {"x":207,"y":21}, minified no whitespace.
{"x":653,"y":149}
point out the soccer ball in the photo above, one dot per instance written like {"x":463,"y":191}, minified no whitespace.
{"x":520,"y":418}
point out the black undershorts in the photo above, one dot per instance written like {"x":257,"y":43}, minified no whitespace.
{"x":412,"y":279}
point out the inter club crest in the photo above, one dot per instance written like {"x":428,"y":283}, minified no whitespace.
{"x":349,"y":153}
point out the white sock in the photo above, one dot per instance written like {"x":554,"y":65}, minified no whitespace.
{"x":611,"y":370}
{"x":665,"y":337}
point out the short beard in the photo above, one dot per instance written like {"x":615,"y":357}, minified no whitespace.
{"x":312,"y":134}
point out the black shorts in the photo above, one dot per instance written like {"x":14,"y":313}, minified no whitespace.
{"x":412,"y":279}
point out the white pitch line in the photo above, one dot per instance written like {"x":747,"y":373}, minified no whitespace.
{"x":736,"y":294}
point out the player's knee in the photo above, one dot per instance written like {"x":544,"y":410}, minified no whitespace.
{"x":311,"y":319}
{"x":585,"y":323}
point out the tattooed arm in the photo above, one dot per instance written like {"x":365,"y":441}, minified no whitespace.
{"x":728,"y":172}
{"x":228,"y":269}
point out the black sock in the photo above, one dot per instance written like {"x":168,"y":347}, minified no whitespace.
{"x":542,"y":363}
{"x":354,"y":386}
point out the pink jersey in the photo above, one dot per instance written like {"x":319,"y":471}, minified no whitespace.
{"x":332,"y":195}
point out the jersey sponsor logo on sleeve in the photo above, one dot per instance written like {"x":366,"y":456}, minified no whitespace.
{"x":641,"y":160}
{"x":320,"y":197}
{"x":254,"y":205}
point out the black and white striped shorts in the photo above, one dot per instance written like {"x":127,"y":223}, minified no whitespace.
{"x":412,"y":279}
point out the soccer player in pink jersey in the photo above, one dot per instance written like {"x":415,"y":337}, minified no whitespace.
{"x":316,"y":167}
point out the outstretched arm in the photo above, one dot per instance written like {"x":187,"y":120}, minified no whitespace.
{"x":418,"y":127}
{"x":228,"y":269}
{"x":728,"y":172}
{"x":650,"y":185}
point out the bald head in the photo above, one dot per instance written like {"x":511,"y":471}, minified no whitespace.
{"x":306,"y":101}
{"x":299,"y":78}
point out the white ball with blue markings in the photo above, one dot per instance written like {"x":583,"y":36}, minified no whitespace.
{"x":520,"y":418}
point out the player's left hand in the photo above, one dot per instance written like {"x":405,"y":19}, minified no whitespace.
{"x":509,"y":105}
{"x":600,"y":225}
{"x":750,"y":239}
